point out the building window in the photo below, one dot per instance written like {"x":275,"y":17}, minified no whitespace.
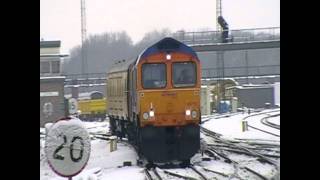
{"x":55,"y":65}
{"x":44,"y":67}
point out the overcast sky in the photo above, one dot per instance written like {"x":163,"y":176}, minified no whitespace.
{"x":61,"y":19}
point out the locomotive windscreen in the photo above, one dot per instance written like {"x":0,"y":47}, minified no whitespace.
{"x":184,"y":74}
{"x":154,"y":75}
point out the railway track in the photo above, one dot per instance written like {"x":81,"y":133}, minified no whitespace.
{"x":156,"y":173}
{"x":260,"y":113}
{"x":266,"y":121}
{"x":227,"y":143}
{"x":223,"y":148}
{"x":152,"y":174}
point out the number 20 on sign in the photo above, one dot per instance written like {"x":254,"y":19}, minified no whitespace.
{"x":67,"y":147}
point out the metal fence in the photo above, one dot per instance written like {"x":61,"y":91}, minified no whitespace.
{"x":241,"y":71}
{"x":240,"y":35}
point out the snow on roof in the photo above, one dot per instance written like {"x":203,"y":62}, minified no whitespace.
{"x":52,"y":77}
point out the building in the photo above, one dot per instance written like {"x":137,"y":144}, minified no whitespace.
{"x":50,"y":58}
{"x":254,"y":96}
{"x":52,"y":102}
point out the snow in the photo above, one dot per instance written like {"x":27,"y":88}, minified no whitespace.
{"x":132,"y":173}
{"x":53,"y":77}
{"x":275,"y":120}
{"x":104,"y":164}
{"x":101,"y":157}
{"x":231,"y":127}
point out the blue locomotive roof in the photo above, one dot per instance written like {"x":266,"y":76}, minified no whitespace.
{"x":168,"y":45}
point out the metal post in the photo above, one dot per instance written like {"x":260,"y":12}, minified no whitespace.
{"x":247,"y":66}
{"x":223,"y":89}
{"x":244,"y":126}
{"x":113,"y":143}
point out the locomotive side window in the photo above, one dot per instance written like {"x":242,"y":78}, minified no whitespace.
{"x":184,"y":74}
{"x":154,"y":76}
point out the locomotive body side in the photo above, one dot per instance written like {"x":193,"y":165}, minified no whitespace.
{"x":117,"y":95}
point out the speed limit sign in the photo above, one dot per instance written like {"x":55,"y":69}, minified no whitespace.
{"x":67,"y":147}
{"x":73,"y":106}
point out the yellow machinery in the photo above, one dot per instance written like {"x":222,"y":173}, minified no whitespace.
{"x":92,"y":109}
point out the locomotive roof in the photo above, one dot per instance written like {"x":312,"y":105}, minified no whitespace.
{"x":167,"y":45}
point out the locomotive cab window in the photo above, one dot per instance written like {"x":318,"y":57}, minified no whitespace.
{"x":154,"y":76}
{"x":184,"y":74}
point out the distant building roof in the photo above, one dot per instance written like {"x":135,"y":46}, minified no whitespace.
{"x":48,"y":44}
{"x":54,"y":55}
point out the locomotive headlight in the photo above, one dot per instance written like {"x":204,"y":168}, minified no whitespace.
{"x":194,"y":114}
{"x":151,"y":113}
{"x":168,"y":56}
{"x":145,"y":116}
{"x":188,"y":112}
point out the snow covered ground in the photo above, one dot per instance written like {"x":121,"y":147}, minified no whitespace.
{"x":231,"y":127}
{"x":101,"y":159}
{"x":104,"y":164}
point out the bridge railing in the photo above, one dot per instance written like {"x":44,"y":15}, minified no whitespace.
{"x":241,"y":71}
{"x":240,"y":35}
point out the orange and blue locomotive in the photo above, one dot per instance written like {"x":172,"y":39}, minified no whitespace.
{"x":154,"y":101}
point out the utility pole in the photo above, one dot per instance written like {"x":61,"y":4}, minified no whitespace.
{"x":218,"y":13}
{"x":220,"y":58}
{"x":83,"y":38}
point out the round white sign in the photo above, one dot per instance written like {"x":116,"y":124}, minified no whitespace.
{"x":67,"y":147}
{"x":47,"y":109}
{"x":73,"y":106}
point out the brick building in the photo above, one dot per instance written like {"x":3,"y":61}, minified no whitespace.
{"x":52,"y":103}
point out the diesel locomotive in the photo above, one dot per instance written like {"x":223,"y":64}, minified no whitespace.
{"x":154,"y":101}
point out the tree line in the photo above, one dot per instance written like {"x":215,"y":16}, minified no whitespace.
{"x":103,"y":50}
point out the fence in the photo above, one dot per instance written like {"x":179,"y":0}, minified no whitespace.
{"x":241,"y":71}
{"x":240,"y":35}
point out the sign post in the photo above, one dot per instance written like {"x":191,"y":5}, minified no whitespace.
{"x":67,"y":147}
{"x":73,"y":106}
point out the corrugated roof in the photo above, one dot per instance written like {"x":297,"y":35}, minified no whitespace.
{"x":121,"y":65}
